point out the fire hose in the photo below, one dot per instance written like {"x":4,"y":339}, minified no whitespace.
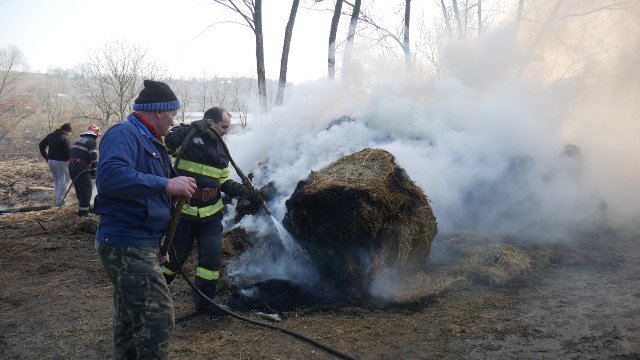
{"x":55,"y":214}
{"x":166,"y":245}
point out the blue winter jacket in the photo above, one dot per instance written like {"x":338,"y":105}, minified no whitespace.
{"x":131,"y":178}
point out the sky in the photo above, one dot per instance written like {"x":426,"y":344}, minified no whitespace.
{"x":189,"y":38}
{"x":178,"y":34}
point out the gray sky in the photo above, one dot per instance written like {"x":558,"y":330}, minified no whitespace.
{"x":61,"y":33}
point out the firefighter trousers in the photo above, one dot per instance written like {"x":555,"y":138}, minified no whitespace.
{"x":208,"y":236}
{"x":83,"y":185}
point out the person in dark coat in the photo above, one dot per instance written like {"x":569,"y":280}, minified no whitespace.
{"x":55,"y":149}
{"x":82,"y":167}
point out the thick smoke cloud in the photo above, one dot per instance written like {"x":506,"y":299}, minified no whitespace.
{"x":506,"y":155}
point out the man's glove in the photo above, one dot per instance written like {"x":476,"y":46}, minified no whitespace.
{"x":202,"y":125}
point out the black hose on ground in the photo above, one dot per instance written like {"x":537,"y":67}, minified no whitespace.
{"x":55,"y":214}
{"x":295,"y":334}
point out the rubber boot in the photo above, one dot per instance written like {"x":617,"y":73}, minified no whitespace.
{"x":169,"y":278}
{"x":208,"y":287}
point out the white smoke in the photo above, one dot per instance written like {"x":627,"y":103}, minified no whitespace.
{"x":495,"y":153}
{"x":490,"y":157}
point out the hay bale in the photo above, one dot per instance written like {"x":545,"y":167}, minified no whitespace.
{"x":487,"y":260}
{"x":359,"y":215}
{"x":235,"y":242}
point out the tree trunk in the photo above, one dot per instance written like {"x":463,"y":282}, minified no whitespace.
{"x":538,"y":38}
{"x":348,"y":50}
{"x":519,"y":15}
{"x":456,"y":13}
{"x":332,"y":40}
{"x":406,"y":46}
{"x":282,"y":83}
{"x":262,"y":83}
{"x":479,"y":17}
{"x":446,"y":19}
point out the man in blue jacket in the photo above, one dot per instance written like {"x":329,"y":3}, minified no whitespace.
{"x":134,"y":188}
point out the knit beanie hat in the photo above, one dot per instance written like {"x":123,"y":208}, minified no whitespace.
{"x":66,"y":127}
{"x":156,"y":96}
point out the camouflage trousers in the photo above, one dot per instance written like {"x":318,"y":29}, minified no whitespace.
{"x":144,"y":317}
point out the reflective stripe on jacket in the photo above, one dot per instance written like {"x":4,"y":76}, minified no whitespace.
{"x":85,"y":149}
{"x":205,"y":160}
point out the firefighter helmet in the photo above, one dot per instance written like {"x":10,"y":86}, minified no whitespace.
{"x":93,"y":130}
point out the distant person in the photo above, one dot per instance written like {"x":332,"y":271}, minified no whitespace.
{"x":204,"y":159}
{"x":57,"y":155}
{"x":82,"y":167}
{"x":134,"y":201}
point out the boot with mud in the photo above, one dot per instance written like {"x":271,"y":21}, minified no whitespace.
{"x":202,"y":306}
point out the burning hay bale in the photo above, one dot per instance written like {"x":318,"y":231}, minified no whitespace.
{"x":235,"y":242}
{"x":358,"y":216}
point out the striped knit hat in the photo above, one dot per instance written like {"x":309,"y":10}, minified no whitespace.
{"x":156,"y":96}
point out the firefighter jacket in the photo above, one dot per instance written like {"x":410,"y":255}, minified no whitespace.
{"x":84,"y":149}
{"x":133,"y":172}
{"x":205,"y":160}
{"x":58,"y":144}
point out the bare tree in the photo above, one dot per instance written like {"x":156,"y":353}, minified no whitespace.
{"x":348,"y":50}
{"x":282,"y":82}
{"x":111,"y":79}
{"x":12,"y":64}
{"x":222,"y":92}
{"x":447,"y":21}
{"x":519,"y":14}
{"x":479,"y":17}
{"x":404,"y":42}
{"x":576,"y":56}
{"x":239,"y":106}
{"x":251,"y":12}
{"x":54,"y":100}
{"x":335,"y":20}
{"x":406,"y":45}
{"x":204,"y":90}
{"x":456,"y":13}
{"x":184,"y":92}
{"x":538,"y":38}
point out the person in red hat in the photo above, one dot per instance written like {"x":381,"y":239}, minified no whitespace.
{"x":82,"y":167}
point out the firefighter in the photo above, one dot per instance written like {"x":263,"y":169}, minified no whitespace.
{"x":84,"y":156}
{"x":205,"y":160}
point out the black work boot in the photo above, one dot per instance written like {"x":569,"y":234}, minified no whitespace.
{"x":83,"y":213}
{"x":208,"y":287}
{"x":168,"y":278}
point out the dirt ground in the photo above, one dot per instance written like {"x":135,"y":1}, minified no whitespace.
{"x":576,"y":301}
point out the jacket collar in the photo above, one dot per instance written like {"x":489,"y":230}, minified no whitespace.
{"x":143,"y":129}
